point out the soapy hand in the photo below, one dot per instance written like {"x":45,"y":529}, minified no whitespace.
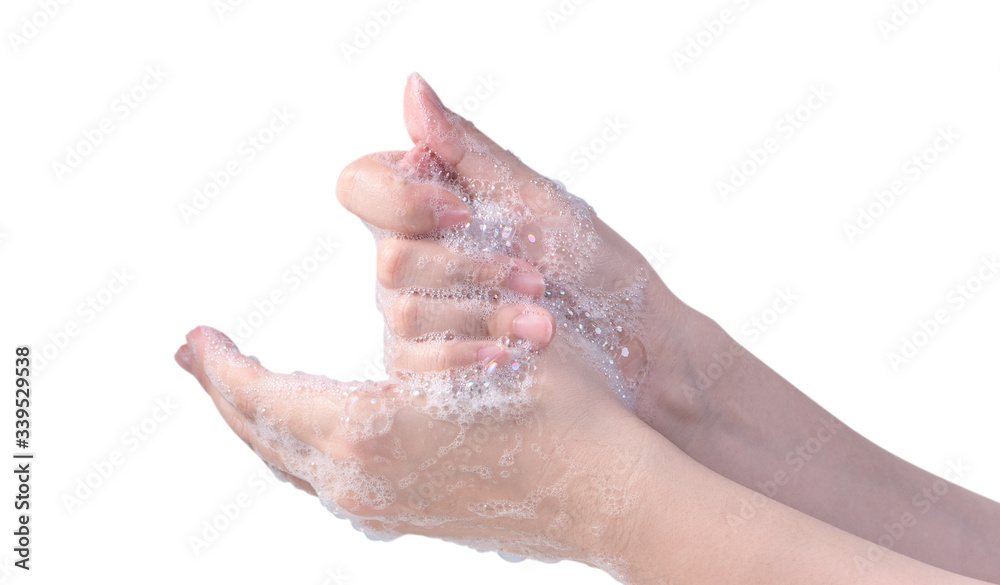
{"x":515,"y":347}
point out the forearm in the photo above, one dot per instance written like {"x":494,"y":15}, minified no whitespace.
{"x":760,"y":431}
{"x":690,"y":536}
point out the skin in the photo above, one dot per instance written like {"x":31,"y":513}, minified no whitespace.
{"x":673,"y":460}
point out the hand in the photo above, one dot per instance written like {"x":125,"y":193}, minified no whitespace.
{"x":495,"y":429}
{"x":519,"y":232}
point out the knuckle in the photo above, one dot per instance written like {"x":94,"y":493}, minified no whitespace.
{"x":391,"y":267}
{"x":446,"y":359}
{"x":485,"y":272}
{"x":347,"y":181}
{"x":406,"y":316}
{"x":243,"y":376}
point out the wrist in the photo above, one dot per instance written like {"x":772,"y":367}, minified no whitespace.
{"x":646,"y":537}
{"x":680,"y":532}
{"x":608,"y":524}
{"x":691,"y":372}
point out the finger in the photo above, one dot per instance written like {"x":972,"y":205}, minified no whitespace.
{"x":378,"y":194}
{"x":436,"y":356}
{"x":458,"y":143}
{"x":240,"y":426}
{"x":411,"y":315}
{"x":450,"y":147}
{"x":316,"y":411}
{"x":415,"y":316}
{"x":428,"y":264}
{"x":297,"y":404}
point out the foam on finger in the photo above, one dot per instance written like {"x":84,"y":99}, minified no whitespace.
{"x":541,"y":223}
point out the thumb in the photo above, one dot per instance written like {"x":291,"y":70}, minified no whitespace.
{"x":278,"y":408}
{"x":455,"y":140}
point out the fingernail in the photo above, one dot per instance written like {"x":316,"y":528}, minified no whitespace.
{"x":431,"y":94}
{"x":529,"y":283}
{"x":533,"y":327}
{"x":183,"y":357}
{"x":452,"y":217}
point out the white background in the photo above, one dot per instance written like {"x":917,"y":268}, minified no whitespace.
{"x":557,"y":85}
